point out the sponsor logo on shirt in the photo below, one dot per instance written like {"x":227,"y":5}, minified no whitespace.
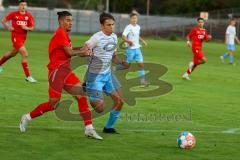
{"x":21,"y":23}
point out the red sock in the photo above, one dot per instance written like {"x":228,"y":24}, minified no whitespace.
{"x":26,"y":69}
{"x":84,"y":111}
{"x":189,"y":71}
{"x":41,"y":109}
{"x":3,"y":60}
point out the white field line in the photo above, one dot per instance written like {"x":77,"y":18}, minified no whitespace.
{"x":229,"y":131}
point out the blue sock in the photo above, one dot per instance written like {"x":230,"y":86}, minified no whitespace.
{"x":231,"y":59}
{"x":114,"y":115}
{"x":226,"y":55}
{"x":141,"y":74}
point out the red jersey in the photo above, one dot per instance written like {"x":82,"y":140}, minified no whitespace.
{"x":57,"y":55}
{"x":198,"y":35}
{"x":19,"y":20}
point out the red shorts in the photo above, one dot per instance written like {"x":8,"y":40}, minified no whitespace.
{"x":198,"y":55}
{"x":60,"y":79}
{"x":18,"y":40}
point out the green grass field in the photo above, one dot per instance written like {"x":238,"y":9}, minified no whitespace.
{"x":208,"y":105}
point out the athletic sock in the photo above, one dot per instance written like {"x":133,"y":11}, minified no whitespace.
{"x":114,"y":115}
{"x":41,"y":109}
{"x":3,"y":60}
{"x":26,"y":69}
{"x":141,"y":74}
{"x":231,"y":59}
{"x":226,"y":55}
{"x":85,"y":111}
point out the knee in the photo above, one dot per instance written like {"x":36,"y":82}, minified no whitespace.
{"x":98,"y":107}
{"x":127,"y":66}
{"x":12,"y":55}
{"x":119,"y":103}
{"x":54,"y":103}
{"x":205,"y":60}
{"x":25,"y":56}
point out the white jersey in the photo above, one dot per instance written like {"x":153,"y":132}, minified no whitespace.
{"x":103,"y":48}
{"x":132,"y":33}
{"x":231,"y":34}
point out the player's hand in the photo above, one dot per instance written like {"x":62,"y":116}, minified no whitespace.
{"x":125,"y":64}
{"x":10,"y":29}
{"x":145,"y":43}
{"x":130,"y":43}
{"x":85,"y":51}
{"x":209,"y":37}
{"x":189,"y":44}
{"x":25,"y":27}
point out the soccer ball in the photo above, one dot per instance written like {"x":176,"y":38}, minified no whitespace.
{"x":186,"y":140}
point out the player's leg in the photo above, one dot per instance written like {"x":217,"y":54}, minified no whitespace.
{"x":56,"y":84}
{"x":231,"y":54}
{"x":139,"y":59}
{"x":231,"y":57}
{"x":24,"y":53}
{"x":7,"y":56}
{"x":74,"y":87}
{"x":115,"y":112}
{"x":112,"y":87}
{"x":198,"y":59}
{"x":38,"y":111}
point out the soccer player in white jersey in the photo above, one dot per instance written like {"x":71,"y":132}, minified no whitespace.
{"x":99,"y":77}
{"x":131,"y":35}
{"x":230,"y":41}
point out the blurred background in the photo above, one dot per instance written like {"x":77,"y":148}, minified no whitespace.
{"x":158,"y":18}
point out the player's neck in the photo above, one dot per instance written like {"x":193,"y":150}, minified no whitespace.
{"x":133,"y":24}
{"x":22,"y":12}
{"x":63,"y":28}
{"x":106,"y":33}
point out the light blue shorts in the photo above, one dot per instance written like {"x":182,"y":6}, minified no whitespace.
{"x":96,"y":84}
{"x":134,"y":55}
{"x":231,"y":47}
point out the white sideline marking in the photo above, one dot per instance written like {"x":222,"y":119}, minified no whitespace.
{"x":229,"y":131}
{"x":232,"y":130}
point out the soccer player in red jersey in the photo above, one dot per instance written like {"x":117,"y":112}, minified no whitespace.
{"x":22,"y":22}
{"x":197,"y":35}
{"x":60,"y":76}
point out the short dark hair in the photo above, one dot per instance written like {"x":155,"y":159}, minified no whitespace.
{"x":63,"y":14}
{"x":133,"y":14}
{"x":20,"y":1}
{"x":200,"y":19}
{"x":232,"y":19}
{"x":105,"y":16}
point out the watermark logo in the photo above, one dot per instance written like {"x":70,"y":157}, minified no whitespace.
{"x":129,"y":80}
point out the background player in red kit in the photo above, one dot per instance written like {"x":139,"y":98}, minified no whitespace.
{"x":61,"y":77}
{"x":197,"y":35}
{"x":22,"y":22}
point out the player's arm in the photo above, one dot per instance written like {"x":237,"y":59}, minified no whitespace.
{"x":28,"y":28}
{"x":208,"y":37}
{"x":124,"y":36}
{"x":130,"y":43}
{"x":236,"y":38}
{"x":143,"y":41}
{"x":6,"y":25}
{"x":78,"y":51}
{"x":188,"y":41}
{"x":118,"y":61}
{"x":226,"y":37}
